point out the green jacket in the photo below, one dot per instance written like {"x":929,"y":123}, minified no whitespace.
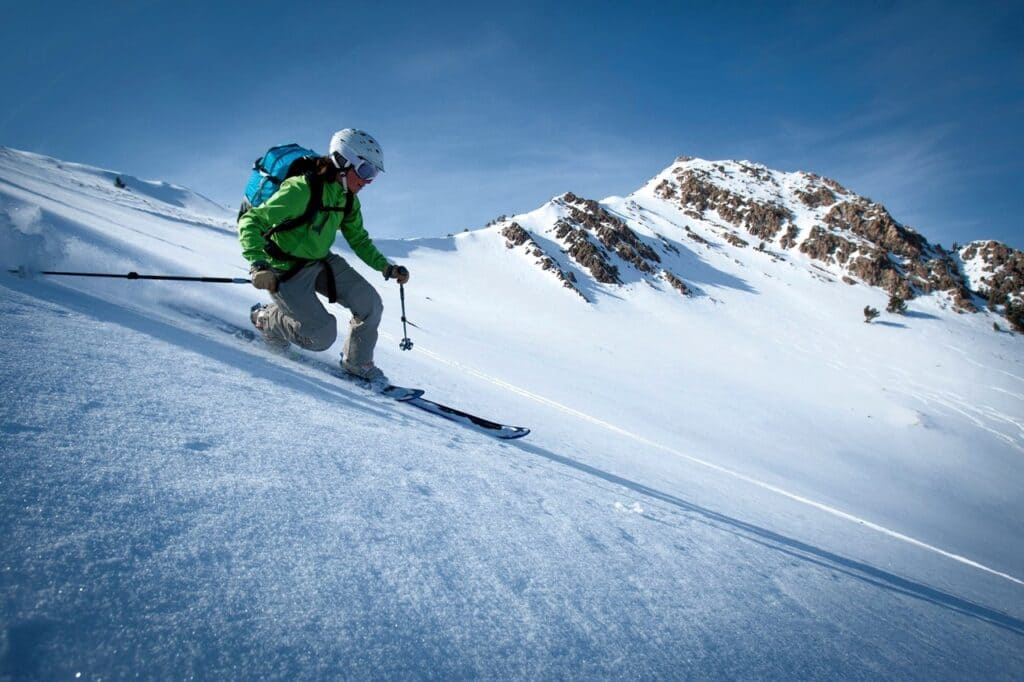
{"x":312,"y":241}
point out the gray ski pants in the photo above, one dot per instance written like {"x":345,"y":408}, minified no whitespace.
{"x":298,"y":316}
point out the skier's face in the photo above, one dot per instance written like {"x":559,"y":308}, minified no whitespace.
{"x":354,"y":182}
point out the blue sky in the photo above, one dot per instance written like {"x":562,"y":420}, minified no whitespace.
{"x":487,"y":110}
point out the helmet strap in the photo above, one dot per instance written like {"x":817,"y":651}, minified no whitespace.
{"x":340,"y":162}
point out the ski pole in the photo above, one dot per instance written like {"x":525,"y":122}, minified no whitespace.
{"x":25,"y":272}
{"x":406,"y":342}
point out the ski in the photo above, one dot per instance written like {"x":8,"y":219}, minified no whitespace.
{"x":478,"y":424}
{"x":399,"y":393}
{"x":409,"y":396}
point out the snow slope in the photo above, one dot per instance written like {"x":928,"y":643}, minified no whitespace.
{"x":748,"y":483}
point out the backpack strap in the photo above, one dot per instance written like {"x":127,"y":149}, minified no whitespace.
{"x":315,"y":205}
{"x":316,"y":202}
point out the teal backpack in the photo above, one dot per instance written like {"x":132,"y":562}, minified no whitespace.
{"x":274,"y":167}
{"x":268,"y":172}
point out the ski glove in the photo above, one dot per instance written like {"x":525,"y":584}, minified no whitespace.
{"x":399,"y":272}
{"x":263,"y":277}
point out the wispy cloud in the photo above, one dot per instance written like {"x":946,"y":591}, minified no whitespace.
{"x":439,"y":61}
{"x":449,"y":184}
{"x":882,"y":153}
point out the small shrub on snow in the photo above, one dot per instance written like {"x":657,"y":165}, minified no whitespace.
{"x":897,"y":305}
{"x":1015,"y":315}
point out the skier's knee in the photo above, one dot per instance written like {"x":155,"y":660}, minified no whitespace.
{"x":378,"y":308}
{"x":320,"y":338}
{"x":372,"y":308}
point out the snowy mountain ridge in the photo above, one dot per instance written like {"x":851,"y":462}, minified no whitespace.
{"x":743,"y":481}
{"x":737,"y":207}
{"x":143,"y":195}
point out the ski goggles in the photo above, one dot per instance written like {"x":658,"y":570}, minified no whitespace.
{"x":364,"y":169}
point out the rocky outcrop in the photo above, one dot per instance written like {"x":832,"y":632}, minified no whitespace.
{"x":588,"y":254}
{"x":736,"y":204}
{"x":676,"y":283}
{"x":898,"y":275}
{"x":593,"y":235}
{"x":735,"y":240}
{"x":872,"y":222}
{"x":587,"y":216}
{"x":600,"y":243}
{"x":816,"y":197}
{"x":694,"y":192}
{"x":942,"y":273}
{"x":827,"y":246}
{"x":857,"y":235}
{"x":516,"y":236}
{"x":696,"y":237}
{"x":863,"y":236}
{"x":1000,"y":270}
{"x":788,"y":240}
{"x":877,"y":269}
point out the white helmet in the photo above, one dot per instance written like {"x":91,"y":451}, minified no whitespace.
{"x":355,"y":145}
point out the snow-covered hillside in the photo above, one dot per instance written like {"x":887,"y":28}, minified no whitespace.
{"x":730,"y":474}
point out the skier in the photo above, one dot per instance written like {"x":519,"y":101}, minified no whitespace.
{"x":296,"y":264}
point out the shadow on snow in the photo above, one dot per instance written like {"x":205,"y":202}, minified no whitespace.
{"x":797,"y":549}
{"x":291,"y":375}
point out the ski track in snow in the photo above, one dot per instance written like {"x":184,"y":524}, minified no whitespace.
{"x":968,"y":359}
{"x":978,"y":415}
{"x":982,"y":416}
{"x":729,"y":472}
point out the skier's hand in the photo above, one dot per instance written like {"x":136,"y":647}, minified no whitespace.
{"x":399,"y":272}
{"x":263,"y":277}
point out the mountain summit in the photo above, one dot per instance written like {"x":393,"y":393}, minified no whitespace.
{"x":760,"y":218}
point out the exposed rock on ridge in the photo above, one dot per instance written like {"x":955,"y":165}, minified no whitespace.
{"x":734,"y":205}
{"x":694,"y":192}
{"x":999,"y":268}
{"x":515,"y":235}
{"x":847,"y":230}
{"x":598,"y":242}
